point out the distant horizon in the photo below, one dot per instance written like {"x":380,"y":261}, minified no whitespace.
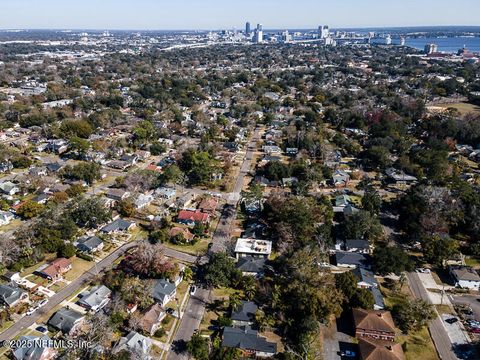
{"x":100,"y":29}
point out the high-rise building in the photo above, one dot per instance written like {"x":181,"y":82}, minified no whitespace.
{"x":431,"y":48}
{"x":286,"y":37}
{"x":258,"y":37}
{"x":388,"y":40}
{"x":402,"y":41}
{"x":323,"y":32}
{"x":248,"y":29}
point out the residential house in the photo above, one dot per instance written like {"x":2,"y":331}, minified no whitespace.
{"x":152,"y":319}
{"x":119,"y":225}
{"x":164,"y":291}
{"x":54,"y":167}
{"x":190,"y":218}
{"x":66,"y":320}
{"x":5,"y":166}
{"x":38,"y":171}
{"x":359,"y":246}
{"x":57,"y":146}
{"x":340,"y":178}
{"x":351,"y":259}
{"x":166,"y":193}
{"x":9,"y":188}
{"x":119,"y":164}
{"x":366,"y":280}
{"x":289,"y":182}
{"x":55,"y":270}
{"x":186,"y":200}
{"x":142,"y":155}
{"x":342,"y":200}
{"x":6,"y":217}
{"x":252,"y":205}
{"x":251,"y":266}
{"x":136,"y":344}
{"x":465,"y":277}
{"x":291,"y":151}
{"x":95,"y":299}
{"x":11,"y":295}
{"x":89,"y":244}
{"x":244,"y":314}
{"x":271,"y":149}
{"x":143,"y":200}
{"x":208,"y":205}
{"x":248,"y":341}
{"x":117,"y":194}
{"x":375,"y":324}
{"x":371,"y":349}
{"x":41,"y":198}
{"x":185,"y":233}
{"x":398,"y":177}
{"x":253,"y":248}
{"x":34,"y":349}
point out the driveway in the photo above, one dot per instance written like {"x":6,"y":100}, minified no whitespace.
{"x":469,"y":300}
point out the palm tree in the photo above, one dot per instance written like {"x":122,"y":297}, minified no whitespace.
{"x":249,"y":287}
{"x":234,"y":301}
{"x":187,"y":274}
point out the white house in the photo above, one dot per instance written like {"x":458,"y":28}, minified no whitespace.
{"x":465,"y":277}
{"x":5,"y":217}
{"x":253,"y":247}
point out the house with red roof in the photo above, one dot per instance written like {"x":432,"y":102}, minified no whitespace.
{"x":190,"y":218}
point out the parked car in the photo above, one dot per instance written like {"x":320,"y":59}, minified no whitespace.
{"x":475,"y":330}
{"x":41,"y":329}
{"x":423,"y":270}
{"x":31,"y":311}
{"x":348,"y":353}
{"x":451,"y":320}
{"x":42,"y":303}
{"x":193,"y":290}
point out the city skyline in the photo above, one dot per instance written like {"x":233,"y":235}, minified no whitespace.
{"x":215,"y":14}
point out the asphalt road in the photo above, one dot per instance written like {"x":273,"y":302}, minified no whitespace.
{"x":78,"y":283}
{"x":221,"y":236}
{"x":65,"y":293}
{"x":190,"y":321}
{"x":437,"y":330}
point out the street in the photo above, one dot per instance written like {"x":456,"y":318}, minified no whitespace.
{"x":436,"y":328}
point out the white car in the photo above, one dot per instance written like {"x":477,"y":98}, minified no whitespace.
{"x":31,"y":311}
{"x":193,"y":290}
{"x":423,"y":271}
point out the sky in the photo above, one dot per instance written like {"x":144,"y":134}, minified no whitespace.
{"x":227,"y":14}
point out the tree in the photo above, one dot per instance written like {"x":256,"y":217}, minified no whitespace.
{"x":136,"y":291}
{"x":76,"y":128}
{"x":354,"y":296}
{"x":126,"y":207}
{"x":66,"y":250}
{"x":371,"y":201}
{"x":412,"y":315}
{"x":198,"y":166}
{"x":84,"y":171}
{"x":158,"y":237}
{"x":438,"y":249}
{"x":157,"y":148}
{"x":30,"y":209}
{"x":391,"y":259}
{"x":221,"y":271}
{"x":90,"y":213}
{"x":363,"y":225}
{"x":198,"y":347}
{"x":150,"y":261}
{"x":173,"y":174}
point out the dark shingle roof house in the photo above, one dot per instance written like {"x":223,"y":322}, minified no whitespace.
{"x":248,"y":340}
{"x":65,"y":320}
{"x":245,"y":312}
{"x":357,"y":245}
{"x":118,"y":225}
{"x":251,"y":265}
{"x":351,"y":259}
{"x":10,"y":295}
{"x":89,"y":244}
{"x":34,"y":350}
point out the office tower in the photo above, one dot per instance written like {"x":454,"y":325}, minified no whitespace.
{"x":325,"y":32}
{"x":286,"y":37}
{"x":402,"y":41}
{"x":431,"y":48}
{"x":248,"y":29}
{"x":258,"y":37}
{"x":388,"y":40}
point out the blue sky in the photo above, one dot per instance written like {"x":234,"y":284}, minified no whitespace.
{"x":218,"y":14}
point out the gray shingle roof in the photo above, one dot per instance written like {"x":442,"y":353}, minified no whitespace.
{"x":250,"y":264}
{"x":117,"y":225}
{"x":88,"y":243}
{"x":162,"y":289}
{"x":247,"y":339}
{"x":33,"y":352}
{"x":65,"y":319}
{"x":350,"y":258}
{"x":245,"y":312}
{"x":95,"y":297}
{"x":9,"y":294}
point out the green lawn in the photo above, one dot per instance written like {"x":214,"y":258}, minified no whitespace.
{"x":473,"y":262}
{"x":462,"y":107}
{"x":79,"y":266}
{"x":200,"y":248}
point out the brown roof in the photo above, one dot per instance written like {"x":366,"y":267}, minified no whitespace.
{"x":208,"y":204}
{"x":187,"y":235}
{"x":152,"y":316}
{"x":56,"y":267}
{"x":373,"y":320}
{"x":371,"y":349}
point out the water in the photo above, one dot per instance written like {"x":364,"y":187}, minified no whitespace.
{"x":449,"y":45}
